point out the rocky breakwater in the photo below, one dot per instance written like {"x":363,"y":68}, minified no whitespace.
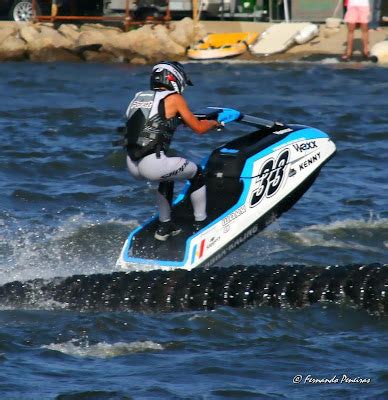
{"x":95,"y":42}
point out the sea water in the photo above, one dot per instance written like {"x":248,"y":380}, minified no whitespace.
{"x":67,"y":204}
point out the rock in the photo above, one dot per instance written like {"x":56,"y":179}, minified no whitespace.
{"x":98,"y":56}
{"x":186,"y":32}
{"x":200,"y":32}
{"x":145,"y":43}
{"x":89,"y":47}
{"x":29,"y":33}
{"x":70,"y":32}
{"x":168,"y":47}
{"x":8,"y":27}
{"x":150,"y":43}
{"x":45,"y":24}
{"x":49,"y":45}
{"x":101,"y":28}
{"x":380,"y":51}
{"x":333,"y":23}
{"x":10,"y":24}
{"x":42,"y":37}
{"x":183,"y":32}
{"x":40,"y":44}
{"x":96,"y":42}
{"x":329,"y":32}
{"x":119,"y":54}
{"x":307,"y":33}
{"x":13,"y":49}
{"x":139,"y":41}
{"x":52,"y":54}
{"x":138,"y":61}
{"x":88,"y":37}
{"x":5,"y":33}
{"x":57,"y":39}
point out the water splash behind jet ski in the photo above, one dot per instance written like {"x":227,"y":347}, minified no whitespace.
{"x":362,"y":286}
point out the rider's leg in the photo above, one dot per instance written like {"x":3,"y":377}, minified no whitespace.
{"x":164,"y":197}
{"x":198,"y":195}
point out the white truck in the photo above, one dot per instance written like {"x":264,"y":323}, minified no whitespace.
{"x":178,"y":8}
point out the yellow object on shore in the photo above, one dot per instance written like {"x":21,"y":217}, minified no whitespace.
{"x":222,"y":45}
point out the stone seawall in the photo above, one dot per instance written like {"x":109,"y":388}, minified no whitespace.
{"x":99,"y":43}
{"x":95,"y":42}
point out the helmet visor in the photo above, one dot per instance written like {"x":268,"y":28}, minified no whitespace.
{"x":181,"y":69}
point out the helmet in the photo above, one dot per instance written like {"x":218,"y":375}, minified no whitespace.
{"x":170,"y":75}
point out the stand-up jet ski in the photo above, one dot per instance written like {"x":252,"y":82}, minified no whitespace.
{"x":250,"y":181}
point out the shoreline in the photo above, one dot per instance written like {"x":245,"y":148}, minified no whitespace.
{"x":42,"y":42}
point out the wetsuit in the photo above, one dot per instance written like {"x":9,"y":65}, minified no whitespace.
{"x":148,"y":137}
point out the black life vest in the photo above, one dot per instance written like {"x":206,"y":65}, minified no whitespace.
{"x":147,"y":129}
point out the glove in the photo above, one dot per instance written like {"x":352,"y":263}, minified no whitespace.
{"x":228,"y":115}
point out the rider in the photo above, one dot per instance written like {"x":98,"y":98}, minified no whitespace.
{"x":152,"y":118}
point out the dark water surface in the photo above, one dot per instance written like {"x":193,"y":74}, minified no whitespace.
{"x":67,"y":204}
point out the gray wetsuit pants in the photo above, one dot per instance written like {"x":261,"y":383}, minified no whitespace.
{"x":166,"y":170}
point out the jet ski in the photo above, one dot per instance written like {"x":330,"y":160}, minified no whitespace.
{"x":250,"y":181}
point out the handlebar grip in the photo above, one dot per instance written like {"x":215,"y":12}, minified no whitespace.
{"x":211,"y":115}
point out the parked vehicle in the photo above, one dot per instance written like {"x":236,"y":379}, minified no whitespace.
{"x":141,"y":9}
{"x":178,"y":8}
{"x":21,"y":10}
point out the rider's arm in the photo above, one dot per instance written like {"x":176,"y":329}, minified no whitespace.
{"x":198,"y":126}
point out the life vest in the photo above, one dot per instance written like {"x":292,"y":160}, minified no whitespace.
{"x":147,"y":129}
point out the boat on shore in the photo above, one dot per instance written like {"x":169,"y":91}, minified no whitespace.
{"x":222,"y":45}
{"x":280,"y":37}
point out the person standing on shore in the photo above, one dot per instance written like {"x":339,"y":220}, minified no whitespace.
{"x":358,"y":12}
{"x":55,"y":5}
{"x":376,"y":15}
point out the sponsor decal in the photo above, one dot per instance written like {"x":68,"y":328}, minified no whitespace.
{"x":231,"y":246}
{"x":177,"y":171}
{"x":292,"y":172}
{"x":310,"y":161}
{"x":226,"y":228}
{"x":198,"y":251}
{"x":283,"y":131}
{"x":213,"y":240}
{"x":270,"y":178}
{"x":233,"y":215}
{"x":142,"y":104}
{"x":305,"y":146}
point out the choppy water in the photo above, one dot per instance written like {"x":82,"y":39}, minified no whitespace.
{"x":67,"y":204}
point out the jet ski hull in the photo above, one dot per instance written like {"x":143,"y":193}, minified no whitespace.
{"x":250,"y":181}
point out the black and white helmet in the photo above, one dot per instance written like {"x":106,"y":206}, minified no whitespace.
{"x":170,"y":75}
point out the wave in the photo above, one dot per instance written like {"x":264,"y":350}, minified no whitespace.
{"x":77,"y":245}
{"x":360,"y":286}
{"x":82,"y":348}
{"x":356,"y":234}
